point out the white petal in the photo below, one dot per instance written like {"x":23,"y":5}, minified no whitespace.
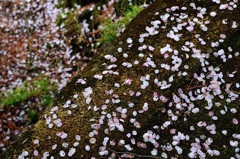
{"x":171,"y":79}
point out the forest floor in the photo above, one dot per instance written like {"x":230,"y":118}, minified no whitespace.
{"x":43,"y":45}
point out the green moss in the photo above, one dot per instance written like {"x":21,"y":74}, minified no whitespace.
{"x":111,"y":28}
{"x":35,"y":87}
{"x":122,"y":5}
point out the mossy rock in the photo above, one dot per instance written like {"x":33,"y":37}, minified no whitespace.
{"x":78,"y":122}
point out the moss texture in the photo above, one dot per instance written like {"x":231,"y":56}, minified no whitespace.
{"x":78,"y":123}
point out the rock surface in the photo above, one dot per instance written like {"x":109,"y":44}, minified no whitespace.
{"x":161,"y":89}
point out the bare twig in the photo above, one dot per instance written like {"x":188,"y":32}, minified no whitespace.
{"x":134,"y":154}
{"x":189,"y":85}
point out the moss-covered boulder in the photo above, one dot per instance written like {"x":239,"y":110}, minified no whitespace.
{"x":168,"y":87}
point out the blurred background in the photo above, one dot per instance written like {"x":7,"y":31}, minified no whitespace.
{"x":43,"y":45}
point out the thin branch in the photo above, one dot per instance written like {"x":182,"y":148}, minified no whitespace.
{"x":134,"y":154}
{"x":189,"y":86}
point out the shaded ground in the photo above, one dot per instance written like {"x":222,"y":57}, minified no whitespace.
{"x":182,"y":98}
{"x":37,"y":65}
